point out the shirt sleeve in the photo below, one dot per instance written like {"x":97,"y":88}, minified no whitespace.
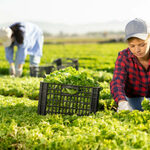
{"x":9,"y":51}
{"x":117,"y":85}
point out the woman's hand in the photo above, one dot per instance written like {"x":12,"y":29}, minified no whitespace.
{"x":124,"y":105}
{"x":12,"y":71}
{"x":19,"y":70}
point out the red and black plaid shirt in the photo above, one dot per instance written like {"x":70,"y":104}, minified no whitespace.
{"x":130,"y":78}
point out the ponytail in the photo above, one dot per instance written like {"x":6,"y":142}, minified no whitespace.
{"x":18,"y":34}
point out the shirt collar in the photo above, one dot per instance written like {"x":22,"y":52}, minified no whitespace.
{"x":130,"y":54}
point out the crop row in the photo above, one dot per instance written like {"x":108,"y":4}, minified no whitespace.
{"x":22,"y":128}
{"x":29,"y":88}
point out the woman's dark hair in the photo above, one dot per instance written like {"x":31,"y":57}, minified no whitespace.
{"x":18,"y":34}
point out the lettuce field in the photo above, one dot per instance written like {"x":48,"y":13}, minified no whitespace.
{"x":22,"y":128}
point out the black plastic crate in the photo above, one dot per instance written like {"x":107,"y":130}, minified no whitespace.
{"x":55,"y":99}
{"x":66,"y":62}
{"x":40,"y":71}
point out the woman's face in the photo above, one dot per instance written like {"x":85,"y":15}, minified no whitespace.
{"x":140,"y":48}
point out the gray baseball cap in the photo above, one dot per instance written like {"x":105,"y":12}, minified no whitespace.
{"x":136,"y":28}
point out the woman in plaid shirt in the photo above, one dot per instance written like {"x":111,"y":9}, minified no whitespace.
{"x":131,"y":79}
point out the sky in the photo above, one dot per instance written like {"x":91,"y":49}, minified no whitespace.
{"x":73,"y":11}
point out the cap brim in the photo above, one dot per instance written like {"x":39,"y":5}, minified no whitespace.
{"x":140,"y":36}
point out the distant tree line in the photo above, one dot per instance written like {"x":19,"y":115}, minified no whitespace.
{"x":90,"y":37}
{"x":104,"y":34}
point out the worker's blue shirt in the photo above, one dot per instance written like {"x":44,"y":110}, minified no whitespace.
{"x":32,"y":44}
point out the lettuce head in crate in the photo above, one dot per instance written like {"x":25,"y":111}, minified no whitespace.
{"x":70,"y":76}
